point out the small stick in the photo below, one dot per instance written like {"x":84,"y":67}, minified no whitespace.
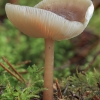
{"x":40,"y":70}
{"x":13,"y":68}
{"x":95,"y":56}
{"x":66,"y":89}
{"x":10,"y":72}
{"x":59,"y":90}
{"x":24,"y":62}
{"x":23,"y":72}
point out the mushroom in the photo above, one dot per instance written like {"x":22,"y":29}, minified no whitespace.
{"x":51,"y":20}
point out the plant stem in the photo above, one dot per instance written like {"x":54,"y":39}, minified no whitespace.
{"x":48,"y":69}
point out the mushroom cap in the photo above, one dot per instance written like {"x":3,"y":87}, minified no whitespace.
{"x":54,"y":19}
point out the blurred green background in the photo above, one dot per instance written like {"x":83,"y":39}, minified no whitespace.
{"x":69,"y":54}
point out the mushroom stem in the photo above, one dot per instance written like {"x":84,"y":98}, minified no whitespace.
{"x":48,"y":69}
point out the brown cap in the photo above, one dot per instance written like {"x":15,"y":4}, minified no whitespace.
{"x":55,"y":19}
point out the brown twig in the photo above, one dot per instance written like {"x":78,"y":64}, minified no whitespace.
{"x":59,"y":90}
{"x":10,"y":72}
{"x":23,"y":72}
{"x":24,"y":62}
{"x":90,"y":64}
{"x":8,"y":63}
{"x":40,"y":70}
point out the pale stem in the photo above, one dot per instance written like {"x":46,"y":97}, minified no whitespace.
{"x":48,"y":69}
